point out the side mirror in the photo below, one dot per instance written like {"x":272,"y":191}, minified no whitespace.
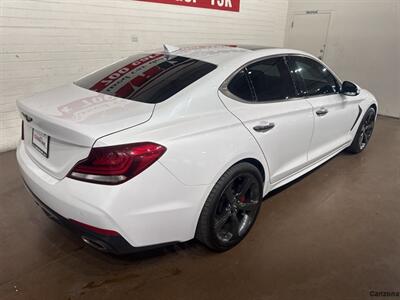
{"x":350,"y":89}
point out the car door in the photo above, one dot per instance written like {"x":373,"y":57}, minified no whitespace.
{"x":262,"y":95}
{"x":334,"y":115}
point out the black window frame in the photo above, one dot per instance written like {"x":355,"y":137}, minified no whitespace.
{"x":299,"y":81}
{"x":225,"y":90}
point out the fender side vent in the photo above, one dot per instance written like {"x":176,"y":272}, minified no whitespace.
{"x":358,"y":116}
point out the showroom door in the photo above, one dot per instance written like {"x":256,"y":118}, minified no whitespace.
{"x":281,"y":124}
{"x":309,"y":32}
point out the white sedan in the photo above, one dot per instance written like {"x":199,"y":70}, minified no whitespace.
{"x":184,"y":143}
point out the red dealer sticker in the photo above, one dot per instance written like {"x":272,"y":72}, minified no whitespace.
{"x":106,"y":81}
{"x":231,"y":5}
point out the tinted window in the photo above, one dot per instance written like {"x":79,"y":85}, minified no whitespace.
{"x":316,"y":78}
{"x":240,"y":87}
{"x":271,"y":80}
{"x":149,"y":78}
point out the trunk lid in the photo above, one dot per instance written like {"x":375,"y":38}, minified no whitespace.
{"x":74,"y":118}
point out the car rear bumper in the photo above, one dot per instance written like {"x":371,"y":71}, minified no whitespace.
{"x":106,"y":243}
{"x":151,"y":209}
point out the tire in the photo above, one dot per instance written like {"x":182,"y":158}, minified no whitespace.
{"x":364,"y":132}
{"x":231,"y":208}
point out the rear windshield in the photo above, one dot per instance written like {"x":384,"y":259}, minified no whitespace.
{"x":150,"y":78}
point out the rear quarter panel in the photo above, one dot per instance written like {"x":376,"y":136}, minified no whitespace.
{"x":203,"y":139}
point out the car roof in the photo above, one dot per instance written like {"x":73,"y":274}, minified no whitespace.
{"x":220,"y":54}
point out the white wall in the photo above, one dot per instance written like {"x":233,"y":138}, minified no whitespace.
{"x":363,"y":44}
{"x":398,"y":55}
{"x":46,"y":43}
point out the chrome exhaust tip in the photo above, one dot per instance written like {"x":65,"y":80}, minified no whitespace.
{"x":98,"y":245}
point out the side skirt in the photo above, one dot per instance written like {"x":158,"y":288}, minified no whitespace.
{"x":308,"y":168}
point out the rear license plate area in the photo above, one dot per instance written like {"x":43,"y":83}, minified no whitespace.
{"x":41,"y":142}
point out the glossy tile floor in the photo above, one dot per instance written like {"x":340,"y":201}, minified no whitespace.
{"x":333,"y":234}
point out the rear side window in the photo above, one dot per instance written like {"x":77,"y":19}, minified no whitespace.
{"x":149,"y":78}
{"x":316,"y":78}
{"x":271,"y":80}
{"x":240,"y":86}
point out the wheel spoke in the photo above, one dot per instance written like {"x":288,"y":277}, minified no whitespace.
{"x":371,"y":118}
{"x":368,"y":119}
{"x":246,"y":186}
{"x":366,"y":138}
{"x":361,"y":138}
{"x":235,"y":225}
{"x":221,"y":221}
{"x":230,"y":195}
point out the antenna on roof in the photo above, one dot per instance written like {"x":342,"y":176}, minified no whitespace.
{"x":169,"y":49}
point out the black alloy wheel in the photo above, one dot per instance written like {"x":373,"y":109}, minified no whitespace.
{"x":366,"y":129}
{"x":232,"y":208}
{"x":364,"y":132}
{"x":237,"y":208}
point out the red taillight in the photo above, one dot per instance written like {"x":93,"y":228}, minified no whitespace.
{"x":117,"y":164}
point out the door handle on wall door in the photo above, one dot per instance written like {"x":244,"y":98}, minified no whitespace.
{"x":321,"y":112}
{"x":265,"y":127}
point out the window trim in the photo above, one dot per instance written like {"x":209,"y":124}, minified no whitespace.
{"x":224,"y":86}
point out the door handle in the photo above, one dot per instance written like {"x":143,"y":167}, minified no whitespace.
{"x":265,"y":127}
{"x":321,"y":112}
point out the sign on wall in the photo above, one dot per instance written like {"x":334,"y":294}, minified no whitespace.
{"x":230,"y":5}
